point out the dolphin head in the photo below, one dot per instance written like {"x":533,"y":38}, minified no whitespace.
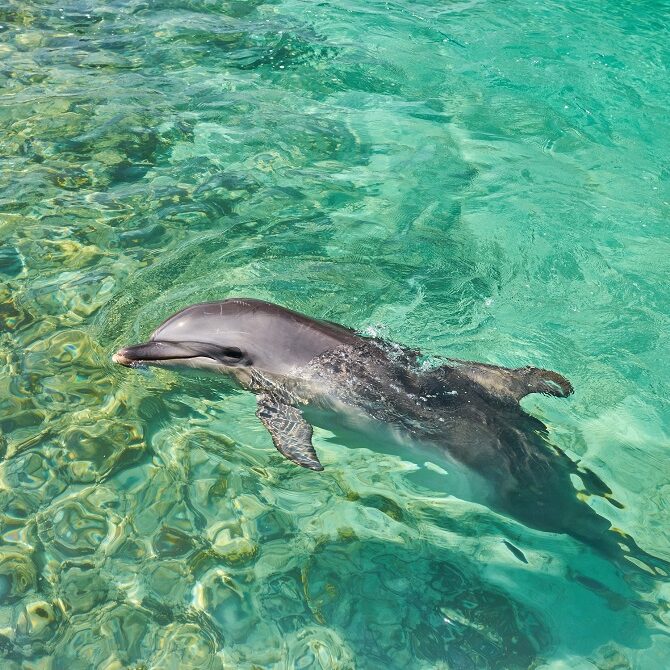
{"x":228,"y":335}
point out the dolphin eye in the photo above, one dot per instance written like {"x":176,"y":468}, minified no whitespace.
{"x":232,"y":356}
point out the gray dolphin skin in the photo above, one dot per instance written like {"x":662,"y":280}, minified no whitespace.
{"x":468,"y":412}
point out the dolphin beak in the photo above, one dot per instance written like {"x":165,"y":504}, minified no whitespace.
{"x":120,"y":358}
{"x":151,"y":352}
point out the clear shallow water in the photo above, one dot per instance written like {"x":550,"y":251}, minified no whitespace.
{"x":476,"y":179}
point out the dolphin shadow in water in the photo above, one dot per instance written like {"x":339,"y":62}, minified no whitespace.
{"x":468,"y":411}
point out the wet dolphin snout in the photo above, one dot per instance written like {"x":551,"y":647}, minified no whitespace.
{"x":153,"y":351}
{"x":121,"y":358}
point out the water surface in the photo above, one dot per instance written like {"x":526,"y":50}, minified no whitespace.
{"x":484,"y":180}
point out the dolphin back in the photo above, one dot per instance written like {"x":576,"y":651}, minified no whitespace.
{"x":511,"y":384}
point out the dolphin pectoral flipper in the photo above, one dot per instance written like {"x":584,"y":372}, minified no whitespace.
{"x":514,"y":383}
{"x":291,"y":434}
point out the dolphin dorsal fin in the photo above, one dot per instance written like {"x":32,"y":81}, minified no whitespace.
{"x":291,"y":434}
{"x":513,"y":383}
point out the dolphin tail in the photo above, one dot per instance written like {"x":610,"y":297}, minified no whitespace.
{"x":621,"y":548}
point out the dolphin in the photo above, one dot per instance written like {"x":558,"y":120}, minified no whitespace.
{"x":466,"y":411}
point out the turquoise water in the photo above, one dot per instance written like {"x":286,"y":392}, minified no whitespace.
{"x":476,"y":179}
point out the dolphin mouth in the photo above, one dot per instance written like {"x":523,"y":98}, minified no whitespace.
{"x":121,"y":359}
{"x":157,"y":351}
{"x":154,"y":351}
